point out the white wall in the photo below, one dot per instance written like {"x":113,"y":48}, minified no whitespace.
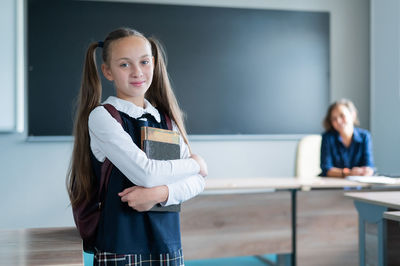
{"x":7,"y":66}
{"x":385,"y":84}
{"x":32,"y":181}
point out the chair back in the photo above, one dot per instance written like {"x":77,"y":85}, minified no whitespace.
{"x":308,"y":157}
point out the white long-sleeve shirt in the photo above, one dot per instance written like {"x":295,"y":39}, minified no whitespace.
{"x":109,"y":140}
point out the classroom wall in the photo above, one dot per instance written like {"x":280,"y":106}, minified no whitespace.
{"x":7,"y":67}
{"x":32,"y":180}
{"x":385,"y":84}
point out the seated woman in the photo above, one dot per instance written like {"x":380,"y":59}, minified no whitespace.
{"x":345,"y":149}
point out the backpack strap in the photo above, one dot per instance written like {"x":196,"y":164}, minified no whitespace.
{"x":169,"y":123}
{"x":114,"y":112}
{"x":107,"y":166}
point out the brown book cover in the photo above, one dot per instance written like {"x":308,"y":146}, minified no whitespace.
{"x":161,"y":144}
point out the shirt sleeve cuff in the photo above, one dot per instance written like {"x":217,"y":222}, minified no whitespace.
{"x":171,"y":200}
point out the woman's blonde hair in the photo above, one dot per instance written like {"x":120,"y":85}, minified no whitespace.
{"x":327,"y":122}
{"x":80,"y":177}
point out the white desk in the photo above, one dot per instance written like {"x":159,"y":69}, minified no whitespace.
{"x":330,"y":183}
{"x":239,"y":217}
{"x":393,"y":215}
{"x":281,"y":183}
{"x":251,"y":220}
{"x":251,"y":184}
{"x":375,"y":233}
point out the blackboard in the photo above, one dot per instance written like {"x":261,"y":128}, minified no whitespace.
{"x":234,"y":70}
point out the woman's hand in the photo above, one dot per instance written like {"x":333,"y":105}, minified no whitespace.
{"x":203,"y":166}
{"x":357,"y":171}
{"x":143,"y":199}
{"x":368,"y":171}
{"x":363,"y":170}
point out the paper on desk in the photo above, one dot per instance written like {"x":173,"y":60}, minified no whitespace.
{"x":374,"y":179}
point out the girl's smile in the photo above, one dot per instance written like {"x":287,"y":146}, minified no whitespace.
{"x":137,"y":83}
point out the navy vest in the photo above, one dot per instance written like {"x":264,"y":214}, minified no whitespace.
{"x":123,"y":230}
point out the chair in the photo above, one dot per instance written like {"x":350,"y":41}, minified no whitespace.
{"x":308,"y":157}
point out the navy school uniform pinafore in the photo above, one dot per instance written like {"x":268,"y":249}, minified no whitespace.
{"x":128,"y":237}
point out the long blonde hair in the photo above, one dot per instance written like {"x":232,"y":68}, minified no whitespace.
{"x":80,"y":178}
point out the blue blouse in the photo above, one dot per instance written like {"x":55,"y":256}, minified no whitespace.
{"x":335,"y":154}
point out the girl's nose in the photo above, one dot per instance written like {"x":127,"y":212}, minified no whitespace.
{"x":136,"y":72}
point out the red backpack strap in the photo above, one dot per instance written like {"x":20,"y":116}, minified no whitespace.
{"x":87,"y":214}
{"x":106,"y":167}
{"x":169,"y":123}
{"x":113,"y":112}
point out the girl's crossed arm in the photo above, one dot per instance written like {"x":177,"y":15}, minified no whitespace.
{"x":142,"y":199}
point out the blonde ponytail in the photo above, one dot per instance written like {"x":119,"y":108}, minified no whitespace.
{"x":80,"y":177}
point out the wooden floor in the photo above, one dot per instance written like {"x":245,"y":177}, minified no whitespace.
{"x":49,"y":246}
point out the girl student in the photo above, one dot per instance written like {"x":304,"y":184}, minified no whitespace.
{"x":345,"y":149}
{"x":129,"y":234}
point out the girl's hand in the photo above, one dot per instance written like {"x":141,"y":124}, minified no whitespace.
{"x":203,"y":166}
{"x":143,"y":199}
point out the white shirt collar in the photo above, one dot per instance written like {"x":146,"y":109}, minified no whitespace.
{"x":133,"y":110}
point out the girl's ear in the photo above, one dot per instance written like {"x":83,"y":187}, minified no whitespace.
{"x":106,"y":72}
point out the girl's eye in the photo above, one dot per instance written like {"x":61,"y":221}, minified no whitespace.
{"x":145,"y":62}
{"x":124,"y":65}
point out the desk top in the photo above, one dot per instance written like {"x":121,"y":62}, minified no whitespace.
{"x":389,"y":199}
{"x":41,"y":246}
{"x":394,"y":215}
{"x":280,"y":183}
{"x":329,"y":182}
{"x":254,"y":183}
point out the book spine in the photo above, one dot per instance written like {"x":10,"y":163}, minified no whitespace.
{"x":143,"y":136}
{"x":170,"y":208}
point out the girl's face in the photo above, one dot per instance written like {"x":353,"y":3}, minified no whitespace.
{"x":342,"y":119}
{"x":131,"y":68}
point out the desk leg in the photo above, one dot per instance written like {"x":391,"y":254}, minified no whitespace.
{"x":294,"y":211}
{"x":361,"y":240}
{"x":371,"y":216}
